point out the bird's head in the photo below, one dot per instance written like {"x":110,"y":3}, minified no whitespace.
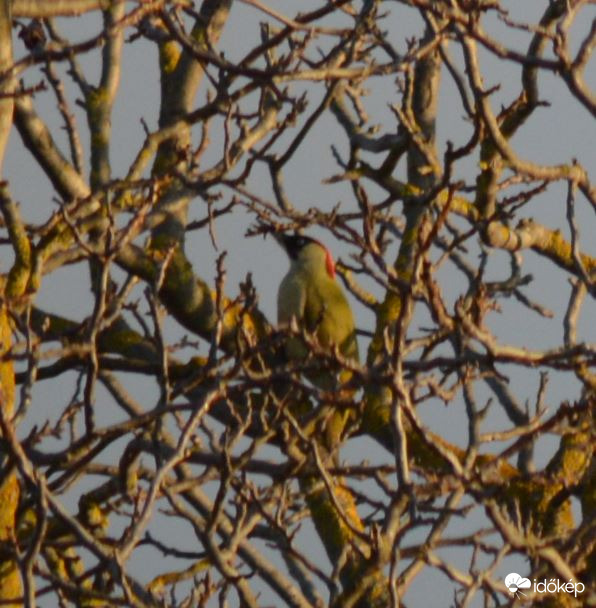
{"x":305,"y":250}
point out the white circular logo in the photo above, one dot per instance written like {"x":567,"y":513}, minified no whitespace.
{"x":514,"y":582}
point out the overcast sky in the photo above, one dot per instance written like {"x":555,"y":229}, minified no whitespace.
{"x":556,"y":134}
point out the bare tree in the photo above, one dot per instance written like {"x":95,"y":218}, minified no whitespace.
{"x":226,"y":452}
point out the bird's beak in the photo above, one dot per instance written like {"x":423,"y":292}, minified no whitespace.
{"x":283,"y":240}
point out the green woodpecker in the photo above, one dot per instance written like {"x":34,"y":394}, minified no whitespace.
{"x":310,"y":293}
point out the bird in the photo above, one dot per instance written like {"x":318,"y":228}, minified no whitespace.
{"x":310,"y":295}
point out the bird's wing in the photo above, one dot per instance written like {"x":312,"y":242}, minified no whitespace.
{"x":291,"y":299}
